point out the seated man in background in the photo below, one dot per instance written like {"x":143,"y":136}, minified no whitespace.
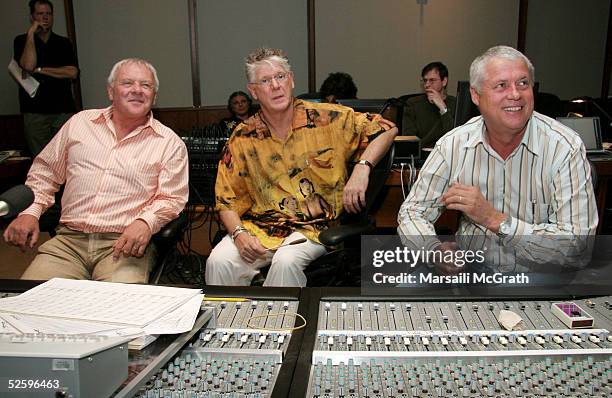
{"x":431,"y":115}
{"x":337,"y":85}
{"x":283,"y":177}
{"x":520,"y":179}
{"x":125,"y":176}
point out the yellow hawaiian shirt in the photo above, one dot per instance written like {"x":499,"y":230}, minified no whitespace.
{"x":278,"y":187}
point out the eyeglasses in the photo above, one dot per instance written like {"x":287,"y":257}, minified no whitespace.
{"x":267,"y":81}
{"x":432,"y":80}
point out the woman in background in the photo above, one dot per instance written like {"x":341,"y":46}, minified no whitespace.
{"x":240,"y":105}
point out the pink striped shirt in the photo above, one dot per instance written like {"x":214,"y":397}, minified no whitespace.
{"x":109,"y":184}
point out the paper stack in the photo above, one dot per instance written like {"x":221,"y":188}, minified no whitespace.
{"x":63,"y":306}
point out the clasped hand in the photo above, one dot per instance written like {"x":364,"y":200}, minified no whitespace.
{"x":133,"y":241}
{"x":470,"y":201}
{"x":249,"y":247}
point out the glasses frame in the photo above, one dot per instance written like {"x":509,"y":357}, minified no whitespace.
{"x":431,"y":81}
{"x":279,"y":77}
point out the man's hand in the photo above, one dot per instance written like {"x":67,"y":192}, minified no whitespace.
{"x":435,"y":98}
{"x":470,"y":201}
{"x":386,"y":124}
{"x":249,"y":247}
{"x":353,"y":196}
{"x":22,"y":232}
{"x":447,"y":268}
{"x":133,"y":241}
{"x":34,"y":28}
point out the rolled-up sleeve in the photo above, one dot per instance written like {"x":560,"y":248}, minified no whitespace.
{"x":173,"y":190}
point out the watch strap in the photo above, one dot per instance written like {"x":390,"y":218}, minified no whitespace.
{"x":366,"y":163}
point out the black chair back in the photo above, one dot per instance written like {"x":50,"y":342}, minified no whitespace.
{"x":548,"y":104}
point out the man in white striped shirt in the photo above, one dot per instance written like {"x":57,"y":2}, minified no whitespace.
{"x":520,"y":179}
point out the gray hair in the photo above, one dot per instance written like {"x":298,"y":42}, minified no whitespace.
{"x":268,"y":56}
{"x":113,"y":73}
{"x":477,"y":69}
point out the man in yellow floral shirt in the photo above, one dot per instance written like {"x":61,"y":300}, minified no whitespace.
{"x":283,"y":177}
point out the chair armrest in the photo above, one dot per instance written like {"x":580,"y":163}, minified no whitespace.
{"x":171,"y":230}
{"x":335,"y":235}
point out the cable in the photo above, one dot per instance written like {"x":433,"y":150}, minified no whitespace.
{"x":410,"y":171}
{"x":402,"y":179}
{"x":413,"y":177}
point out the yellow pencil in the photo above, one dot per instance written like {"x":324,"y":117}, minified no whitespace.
{"x":237,"y":299}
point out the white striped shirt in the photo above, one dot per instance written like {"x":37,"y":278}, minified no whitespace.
{"x":110,"y":184}
{"x":544,"y":186}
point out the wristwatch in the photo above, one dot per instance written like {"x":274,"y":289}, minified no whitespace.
{"x":504,"y":228}
{"x":366,"y":163}
{"x":237,"y":231}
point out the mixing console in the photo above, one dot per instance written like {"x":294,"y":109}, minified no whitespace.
{"x":444,"y":349}
{"x":397,"y":347}
{"x":238,"y":354}
{"x":485,"y":377}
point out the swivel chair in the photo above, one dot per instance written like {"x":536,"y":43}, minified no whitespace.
{"x":401,"y":107}
{"x":165,"y":240}
{"x":342,"y":266}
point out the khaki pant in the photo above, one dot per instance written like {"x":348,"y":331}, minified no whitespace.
{"x":78,"y":255}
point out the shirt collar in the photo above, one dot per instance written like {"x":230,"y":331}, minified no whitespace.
{"x":300,"y":119}
{"x":105,"y":115}
{"x":530,"y":139}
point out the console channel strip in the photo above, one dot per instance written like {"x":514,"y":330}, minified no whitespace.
{"x":459,"y":349}
{"x":239,"y":353}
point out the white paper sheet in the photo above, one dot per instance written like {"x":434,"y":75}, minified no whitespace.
{"x":180,"y":320}
{"x":117,"y":303}
{"x":6,"y":327}
{"x":29,"y":84}
{"x":37,"y":324}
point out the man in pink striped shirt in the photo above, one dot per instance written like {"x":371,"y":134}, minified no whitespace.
{"x":125,"y":176}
